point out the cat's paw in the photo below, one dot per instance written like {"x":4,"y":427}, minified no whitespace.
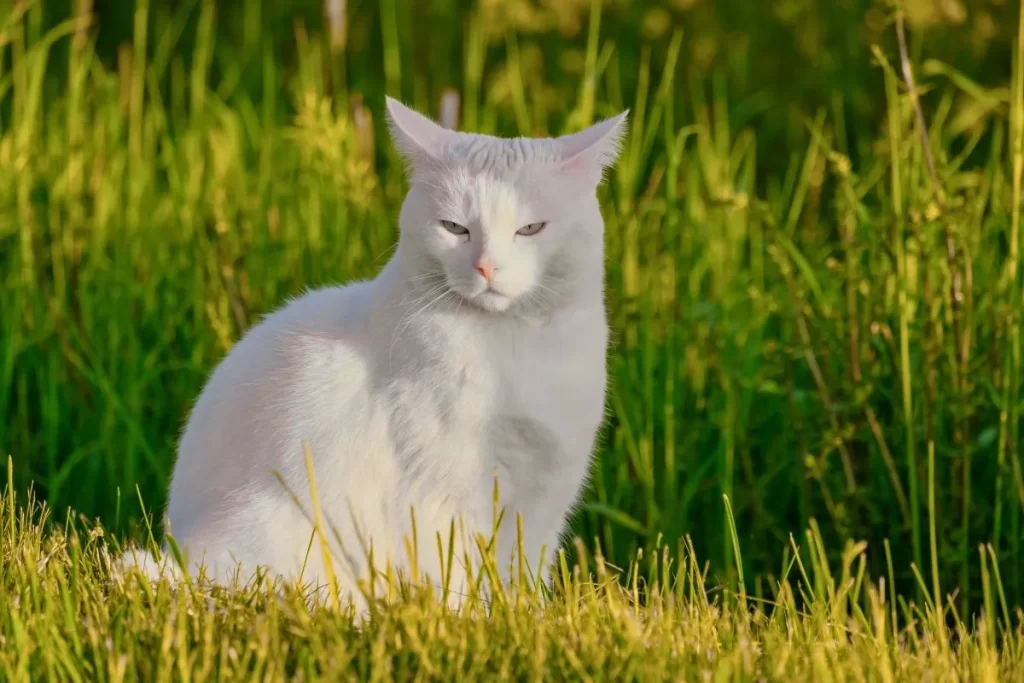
{"x":153,"y":568}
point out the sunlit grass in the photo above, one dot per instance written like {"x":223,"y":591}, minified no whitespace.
{"x":63,"y":616}
{"x":799,"y":341}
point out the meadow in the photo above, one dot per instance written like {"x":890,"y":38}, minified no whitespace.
{"x":811,"y":467}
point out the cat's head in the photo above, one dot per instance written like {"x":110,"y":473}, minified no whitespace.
{"x":504,"y":223}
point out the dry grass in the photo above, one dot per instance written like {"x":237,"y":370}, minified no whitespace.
{"x":827,"y":331}
{"x":62,"y":617}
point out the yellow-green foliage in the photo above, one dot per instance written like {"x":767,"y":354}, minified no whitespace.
{"x":807,"y":319}
{"x":63,"y":617}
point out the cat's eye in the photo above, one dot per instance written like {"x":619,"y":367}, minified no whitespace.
{"x":454,"y":228}
{"x":531,"y":229}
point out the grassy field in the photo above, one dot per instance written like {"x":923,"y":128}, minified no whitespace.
{"x":816,"y":315}
{"x":61,"y":619}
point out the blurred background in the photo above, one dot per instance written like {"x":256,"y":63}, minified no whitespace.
{"x":809,"y":318}
{"x":777,"y":62}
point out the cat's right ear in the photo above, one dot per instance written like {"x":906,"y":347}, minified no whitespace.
{"x":589,"y":153}
{"x":417,"y":138}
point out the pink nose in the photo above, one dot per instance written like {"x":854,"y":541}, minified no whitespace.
{"x":485,"y":268}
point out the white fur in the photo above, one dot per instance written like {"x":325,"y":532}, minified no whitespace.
{"x":418,"y":388}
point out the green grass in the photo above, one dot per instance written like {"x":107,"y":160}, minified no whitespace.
{"x":62,"y":617}
{"x":806,"y":318}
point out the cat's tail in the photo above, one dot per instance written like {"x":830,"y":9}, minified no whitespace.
{"x":152,"y":567}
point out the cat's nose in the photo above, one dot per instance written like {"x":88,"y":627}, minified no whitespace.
{"x":486,"y":268}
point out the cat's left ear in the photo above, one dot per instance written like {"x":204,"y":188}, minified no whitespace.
{"x":588,"y":153}
{"x":417,"y":138}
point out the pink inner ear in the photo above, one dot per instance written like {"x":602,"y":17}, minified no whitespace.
{"x":582,"y":167}
{"x":574,"y":164}
{"x":589,"y":152}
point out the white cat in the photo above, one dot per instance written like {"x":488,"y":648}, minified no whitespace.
{"x":477,"y":353}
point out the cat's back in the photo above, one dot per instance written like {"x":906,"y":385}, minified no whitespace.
{"x":247,"y":412}
{"x":271,"y":353}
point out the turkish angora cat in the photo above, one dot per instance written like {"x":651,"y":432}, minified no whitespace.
{"x":477,"y":353}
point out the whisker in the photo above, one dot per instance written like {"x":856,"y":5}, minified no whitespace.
{"x":408,"y":318}
{"x":391,"y":247}
{"x":422,"y":295}
{"x":423,"y":276}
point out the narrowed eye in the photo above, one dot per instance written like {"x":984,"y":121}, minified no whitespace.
{"x":531,"y":229}
{"x":454,"y":228}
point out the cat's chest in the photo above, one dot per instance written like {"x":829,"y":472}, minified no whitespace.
{"x":550,"y":378}
{"x":541,"y":389}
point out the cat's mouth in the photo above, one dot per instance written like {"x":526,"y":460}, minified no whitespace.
{"x":488,"y":299}
{"x":492,"y":300}
{"x":484,"y":297}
